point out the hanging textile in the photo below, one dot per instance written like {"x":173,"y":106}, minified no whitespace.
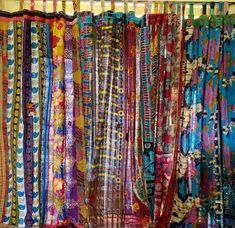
{"x":204,"y":163}
{"x":166,"y":87}
{"x":4,"y":157}
{"x":114,"y":120}
{"x":227,"y":107}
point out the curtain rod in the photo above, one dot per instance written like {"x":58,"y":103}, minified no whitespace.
{"x":187,"y":2}
{"x":143,"y":1}
{"x":195,"y":2}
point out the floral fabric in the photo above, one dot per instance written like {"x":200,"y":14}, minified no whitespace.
{"x":202,"y":192}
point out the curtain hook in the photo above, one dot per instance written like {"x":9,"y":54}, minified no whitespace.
{"x":113,"y":5}
{"x":221,"y":6}
{"x":21,"y":5}
{"x":102,"y":2}
{"x":191,"y":10}
{"x":54,"y":5}
{"x":204,"y":8}
{"x":183,"y":10}
{"x":178,"y":9}
{"x":76,"y":6}
{"x":125,"y":6}
{"x":63,"y":6}
{"x":164,"y":7}
{"x":212,"y":6}
{"x":155,"y":7}
{"x":92,"y":5}
{"x":172,"y":6}
{"x":135,"y":5}
{"x":32,"y":4}
{"x":226,"y":8}
{"x":147,"y":9}
{"x":44,"y":5}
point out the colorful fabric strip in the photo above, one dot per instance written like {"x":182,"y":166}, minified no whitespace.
{"x":46,"y":118}
{"x":28,"y":111}
{"x":11,"y":62}
{"x":37,"y":75}
{"x":58,"y":102}
{"x":79,"y":129}
{"x":16,"y":119}
{"x":148,"y":156}
{"x":3,"y":125}
{"x":70,"y":151}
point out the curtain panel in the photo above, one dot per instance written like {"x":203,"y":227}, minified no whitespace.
{"x":112,"y":120}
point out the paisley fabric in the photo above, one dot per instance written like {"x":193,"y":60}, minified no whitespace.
{"x":114,"y":120}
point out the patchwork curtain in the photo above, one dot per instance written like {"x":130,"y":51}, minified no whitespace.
{"x":117,"y":121}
